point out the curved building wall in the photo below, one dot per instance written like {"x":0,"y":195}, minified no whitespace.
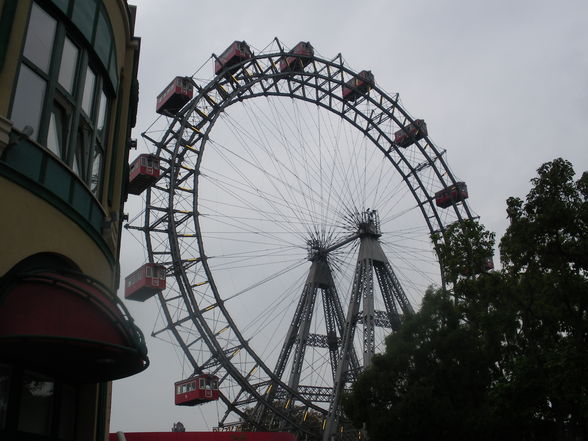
{"x":66,"y":91}
{"x":68,"y":98}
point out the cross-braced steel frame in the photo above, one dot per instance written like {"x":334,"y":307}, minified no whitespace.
{"x":257,"y":393}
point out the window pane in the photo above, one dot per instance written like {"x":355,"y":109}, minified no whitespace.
{"x":4,"y":390}
{"x":113,"y":68}
{"x":101,"y":113}
{"x":67,"y":413}
{"x":28,"y":100}
{"x":103,"y":38}
{"x":69,"y":61}
{"x":40,"y":36}
{"x":83,"y":16}
{"x":58,"y":130}
{"x":62,"y":4}
{"x":82,"y":152}
{"x":53,"y":136}
{"x":88,"y":92}
{"x":95,"y":176}
{"x":76,"y":166}
{"x":36,"y":405}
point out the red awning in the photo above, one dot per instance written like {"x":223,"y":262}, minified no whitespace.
{"x":69,"y":325}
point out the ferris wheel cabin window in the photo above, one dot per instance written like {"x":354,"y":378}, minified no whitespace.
{"x":66,"y":84}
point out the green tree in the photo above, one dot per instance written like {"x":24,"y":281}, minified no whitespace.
{"x":431,"y":382}
{"x":503,"y":355}
{"x":465,"y":251}
{"x":544,"y":253}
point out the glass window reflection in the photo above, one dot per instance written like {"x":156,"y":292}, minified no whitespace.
{"x":103,"y":38}
{"x":96,"y":171}
{"x":79,"y":165}
{"x":67,"y":69}
{"x":88,"y":92}
{"x":101,"y":112}
{"x":58,"y":129}
{"x":36,"y":404}
{"x":28,"y":100}
{"x":40,"y":36}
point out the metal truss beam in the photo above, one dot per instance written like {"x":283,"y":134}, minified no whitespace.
{"x":322,"y":341}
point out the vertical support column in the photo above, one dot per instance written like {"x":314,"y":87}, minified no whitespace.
{"x":368,"y":314}
{"x":399,"y":293}
{"x":302,"y":337}
{"x":260,"y":411}
{"x":332,"y":343}
{"x":388,"y":295}
{"x":346,"y":347}
{"x":340,"y":319}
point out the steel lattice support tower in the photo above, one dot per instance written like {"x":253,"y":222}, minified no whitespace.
{"x":371,"y":258}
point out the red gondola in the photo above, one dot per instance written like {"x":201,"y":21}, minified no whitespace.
{"x":358,"y":86}
{"x":488,"y":264}
{"x":452,"y":194}
{"x":175,"y":96}
{"x":145,"y":282}
{"x":143,"y":173}
{"x":196,"y":390}
{"x":296,"y":59}
{"x":411,"y":133}
{"x":237,"y":52}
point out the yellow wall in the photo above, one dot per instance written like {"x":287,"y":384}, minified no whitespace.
{"x":36,"y":226}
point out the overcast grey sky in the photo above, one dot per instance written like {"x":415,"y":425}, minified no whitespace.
{"x":503,"y":86}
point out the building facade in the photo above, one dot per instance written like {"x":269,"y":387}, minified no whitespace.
{"x":68,"y":100}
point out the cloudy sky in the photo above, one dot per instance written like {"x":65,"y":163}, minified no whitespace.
{"x":503,"y":86}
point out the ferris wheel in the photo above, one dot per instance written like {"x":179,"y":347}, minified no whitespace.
{"x":291,"y":211}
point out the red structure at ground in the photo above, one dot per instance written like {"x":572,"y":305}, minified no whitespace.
{"x":204,"y":436}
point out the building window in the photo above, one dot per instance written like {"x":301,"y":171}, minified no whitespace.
{"x":58,"y":130}
{"x":4,"y":390}
{"x":67,"y":69}
{"x":28,"y":100}
{"x":88,"y":96}
{"x":36,"y":404}
{"x":42,"y":407}
{"x":40,"y":37}
{"x":67,"y":412}
{"x":65,"y":86}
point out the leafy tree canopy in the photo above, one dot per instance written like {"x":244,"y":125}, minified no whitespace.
{"x":503,"y":354}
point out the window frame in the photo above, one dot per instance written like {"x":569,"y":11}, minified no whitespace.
{"x":57,"y":98}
